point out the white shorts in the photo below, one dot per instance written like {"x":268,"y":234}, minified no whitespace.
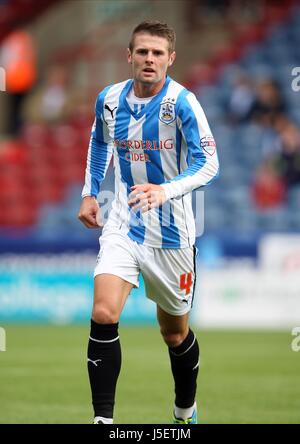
{"x":169,"y":274}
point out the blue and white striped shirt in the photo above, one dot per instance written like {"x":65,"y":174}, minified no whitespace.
{"x":167,"y":142}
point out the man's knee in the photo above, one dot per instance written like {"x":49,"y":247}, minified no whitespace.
{"x":173,"y":339}
{"x":104,"y":315}
{"x":110,"y":293}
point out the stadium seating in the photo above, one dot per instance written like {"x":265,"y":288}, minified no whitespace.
{"x":241,"y":146}
{"x":47,"y":195}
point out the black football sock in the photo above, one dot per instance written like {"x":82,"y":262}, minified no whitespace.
{"x":185,"y":366}
{"x":104,"y":364}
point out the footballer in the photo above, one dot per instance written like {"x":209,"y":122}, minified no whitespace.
{"x":162,"y":149}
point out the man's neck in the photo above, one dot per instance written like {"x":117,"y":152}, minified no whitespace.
{"x":144,"y":90}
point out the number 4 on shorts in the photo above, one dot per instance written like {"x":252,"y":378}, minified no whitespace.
{"x":186,"y":282}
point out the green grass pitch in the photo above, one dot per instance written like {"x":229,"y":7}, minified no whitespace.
{"x":245,"y":377}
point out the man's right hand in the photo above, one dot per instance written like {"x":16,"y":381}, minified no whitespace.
{"x":89,"y":212}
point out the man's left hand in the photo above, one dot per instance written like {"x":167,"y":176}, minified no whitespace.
{"x":146,"y":196}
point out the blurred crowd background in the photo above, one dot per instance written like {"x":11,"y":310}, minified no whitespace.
{"x":238,"y":57}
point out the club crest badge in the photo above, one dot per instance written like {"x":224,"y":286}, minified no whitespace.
{"x":167,"y":112}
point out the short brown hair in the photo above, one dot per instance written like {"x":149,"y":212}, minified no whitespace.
{"x":157,"y":28}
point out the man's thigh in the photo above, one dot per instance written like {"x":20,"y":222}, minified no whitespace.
{"x":116,"y":273}
{"x":117,"y":257}
{"x":172,"y":325}
{"x":169,"y":276}
{"x":110,"y":294}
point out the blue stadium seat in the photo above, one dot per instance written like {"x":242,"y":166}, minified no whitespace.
{"x":294,"y":198}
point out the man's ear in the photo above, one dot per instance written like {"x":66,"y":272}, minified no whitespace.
{"x":129,"y":56}
{"x":172,"y":58}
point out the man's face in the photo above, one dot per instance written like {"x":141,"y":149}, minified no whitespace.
{"x":150,"y":58}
